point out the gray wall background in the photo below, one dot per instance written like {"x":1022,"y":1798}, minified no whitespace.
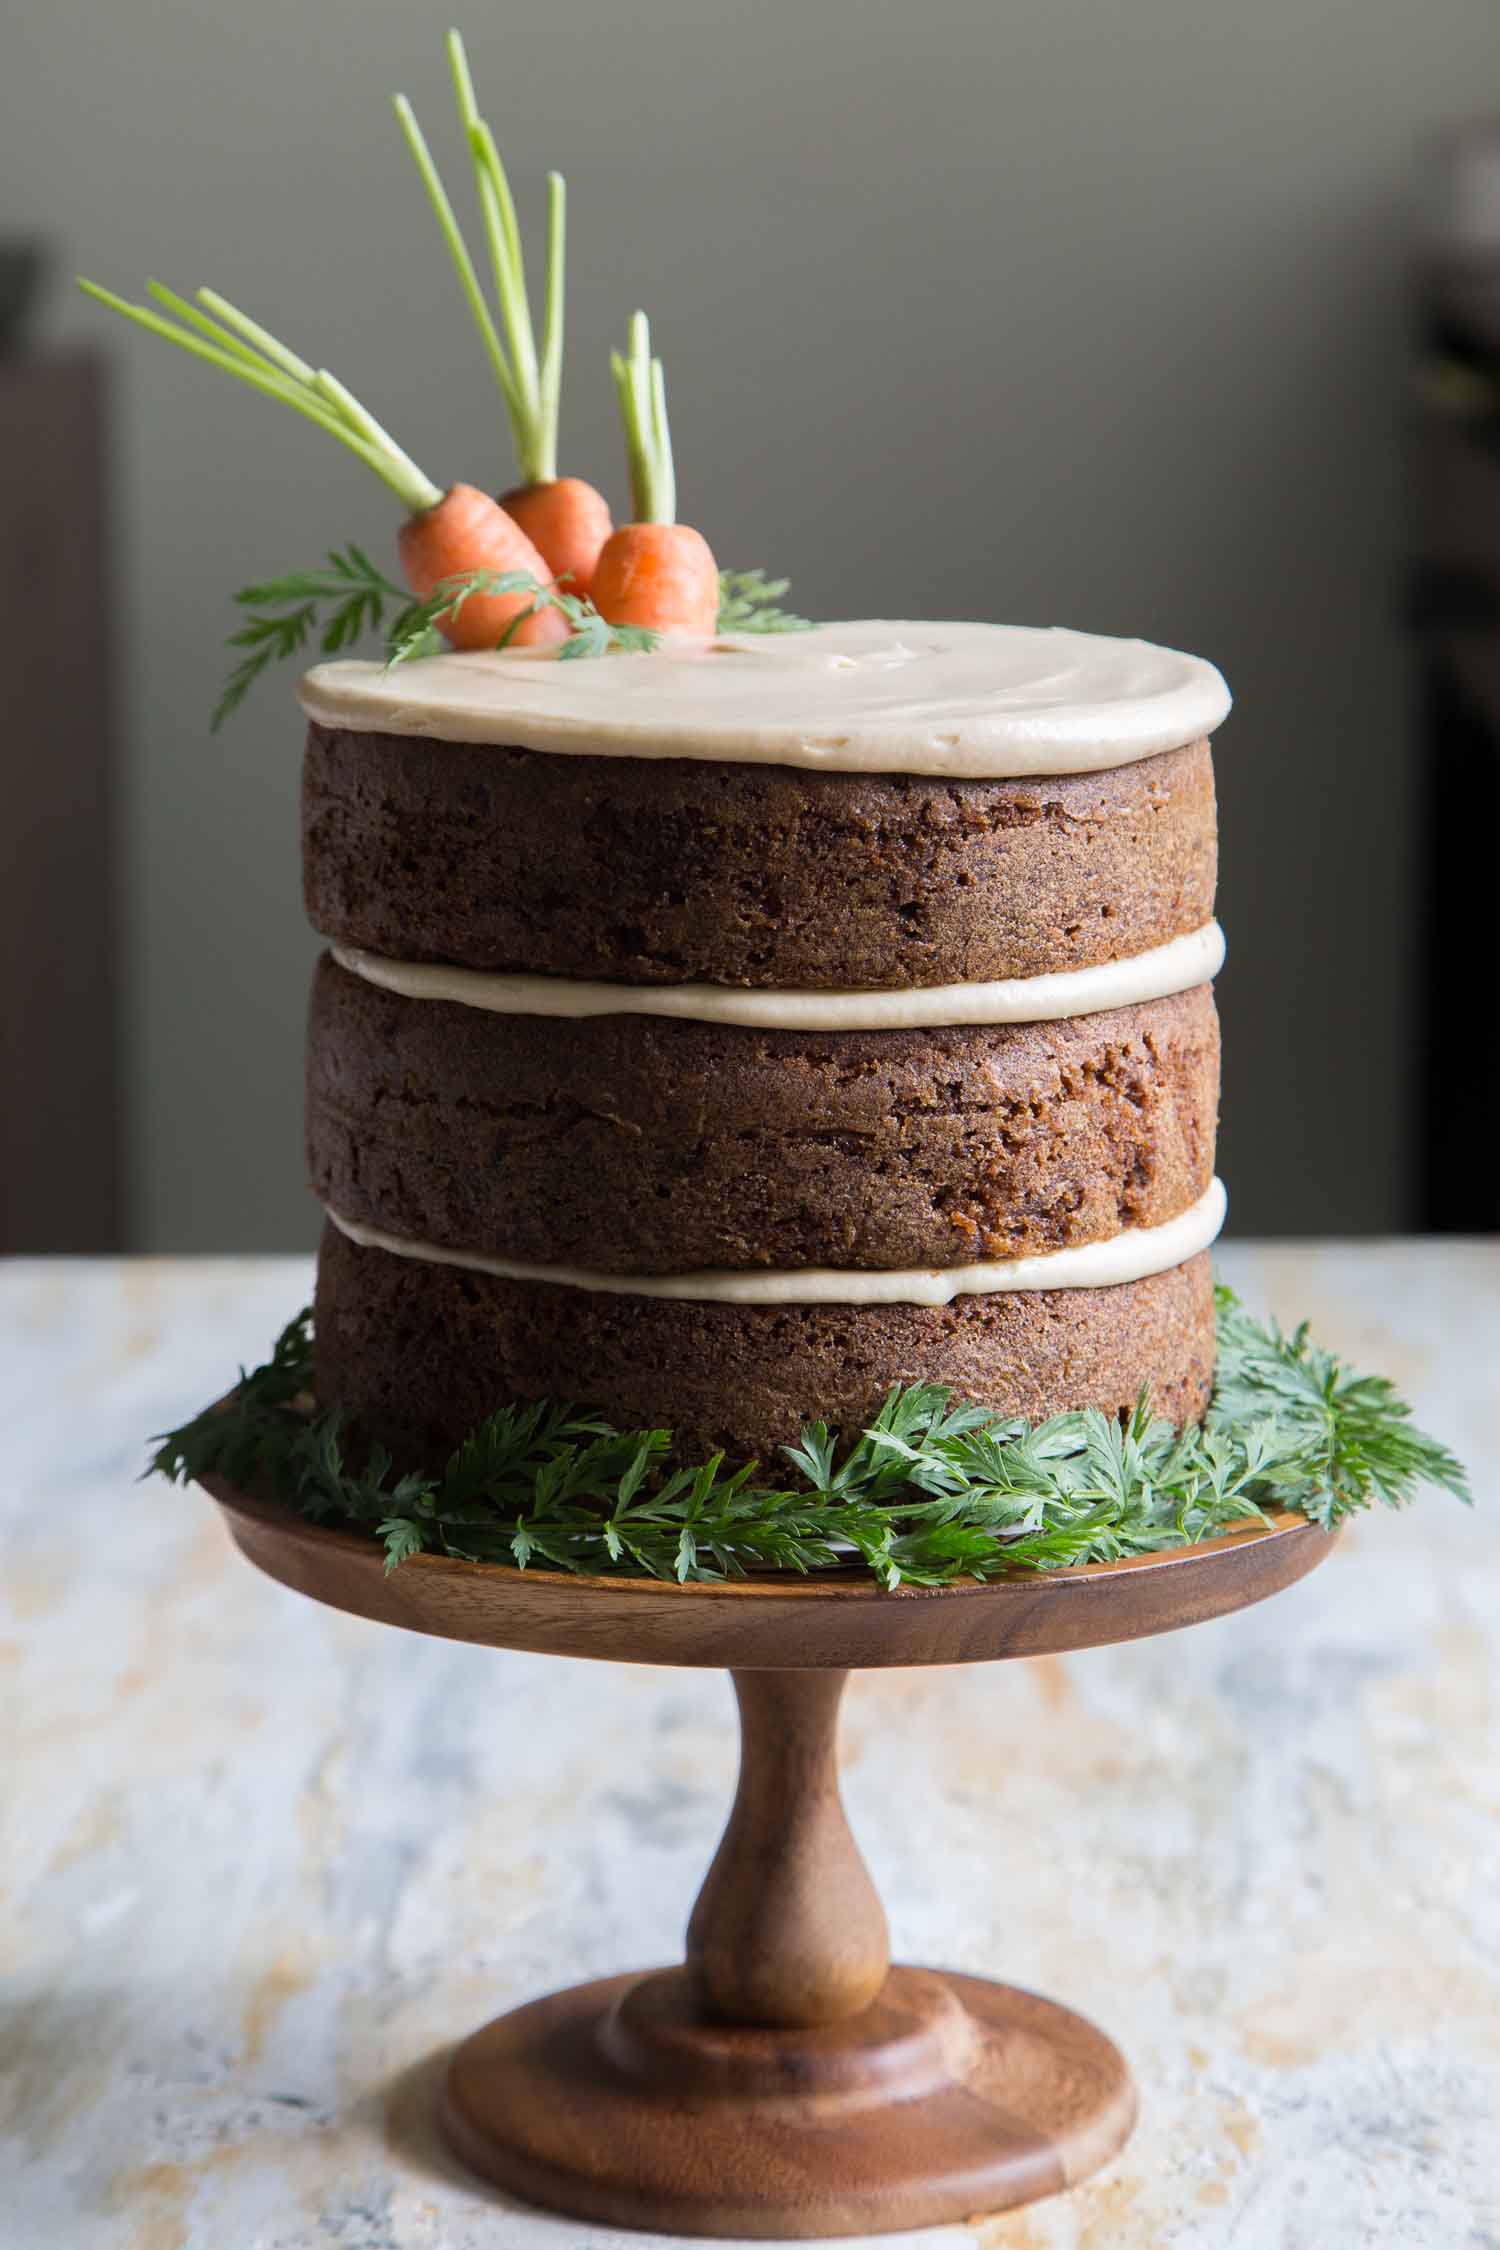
{"x":1046,"y":311}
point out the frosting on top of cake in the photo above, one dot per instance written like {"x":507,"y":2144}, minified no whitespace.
{"x":970,"y":701}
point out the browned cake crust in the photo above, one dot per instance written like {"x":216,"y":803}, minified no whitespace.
{"x":666,"y":871}
{"x":417,"y":1354}
{"x":633,"y":1144}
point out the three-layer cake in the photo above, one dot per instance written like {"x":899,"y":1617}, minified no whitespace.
{"x":720,"y":1036}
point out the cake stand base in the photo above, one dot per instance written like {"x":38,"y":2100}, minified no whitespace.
{"x":786,"y":2081}
{"x":625,"y":2103}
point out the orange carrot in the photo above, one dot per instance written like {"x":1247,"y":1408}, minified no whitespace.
{"x":654,"y":572}
{"x":658,"y":574}
{"x":567,"y":521}
{"x":465,"y":531}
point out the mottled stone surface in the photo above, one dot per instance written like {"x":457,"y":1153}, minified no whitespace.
{"x":258,"y":1861}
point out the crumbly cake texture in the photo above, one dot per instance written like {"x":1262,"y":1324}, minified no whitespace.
{"x":672,"y":871}
{"x":416,"y":1354}
{"x":639,"y":1145}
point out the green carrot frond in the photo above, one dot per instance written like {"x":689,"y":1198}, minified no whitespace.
{"x":270,"y":640}
{"x":641,"y":390}
{"x":591,"y":634}
{"x":349,"y":599}
{"x":747,"y":604}
{"x":333,"y":607}
{"x":935,"y":1489}
{"x":419,"y":620}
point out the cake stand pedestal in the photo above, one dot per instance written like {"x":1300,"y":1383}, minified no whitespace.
{"x":786,"y":2081}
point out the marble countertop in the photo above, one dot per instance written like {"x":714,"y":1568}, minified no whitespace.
{"x":261,"y":1861}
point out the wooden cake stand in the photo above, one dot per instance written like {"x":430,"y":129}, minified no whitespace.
{"x":786,"y":2081}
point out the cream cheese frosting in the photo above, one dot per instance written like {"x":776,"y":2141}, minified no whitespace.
{"x":967,"y":701}
{"x":1175,"y":967}
{"x":1128,"y":1256}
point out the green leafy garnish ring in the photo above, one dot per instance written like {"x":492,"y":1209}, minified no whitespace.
{"x":934,"y":1490}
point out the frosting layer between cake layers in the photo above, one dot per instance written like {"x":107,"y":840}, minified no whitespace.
{"x":1130,"y":1255}
{"x":720,"y":1037}
{"x":1155,"y":975}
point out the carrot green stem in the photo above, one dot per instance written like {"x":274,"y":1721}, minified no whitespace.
{"x":665,"y":469}
{"x":641,"y":388}
{"x":463,"y":82}
{"x":363,"y":423}
{"x":260,"y":338}
{"x":531,"y":386}
{"x":503,"y":229}
{"x":190,"y":315}
{"x":486,"y":152}
{"x":552,"y":322}
{"x":458,"y":251}
{"x":328,"y":405}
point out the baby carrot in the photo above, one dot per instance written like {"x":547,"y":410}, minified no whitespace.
{"x":568,"y":521}
{"x":468,"y":531}
{"x":661,"y":575}
{"x":654,"y":572}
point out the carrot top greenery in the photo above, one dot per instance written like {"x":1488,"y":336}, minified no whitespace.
{"x":331,"y":609}
{"x":935,"y":1489}
{"x":641,"y":393}
{"x":218,"y":333}
{"x":529,"y":378}
{"x":541,"y":566}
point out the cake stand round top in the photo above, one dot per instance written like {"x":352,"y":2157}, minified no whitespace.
{"x":835,"y":1620}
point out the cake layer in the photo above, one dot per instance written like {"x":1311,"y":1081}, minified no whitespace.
{"x":417,"y":1354}
{"x":640,"y":1145}
{"x":634,"y":870}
